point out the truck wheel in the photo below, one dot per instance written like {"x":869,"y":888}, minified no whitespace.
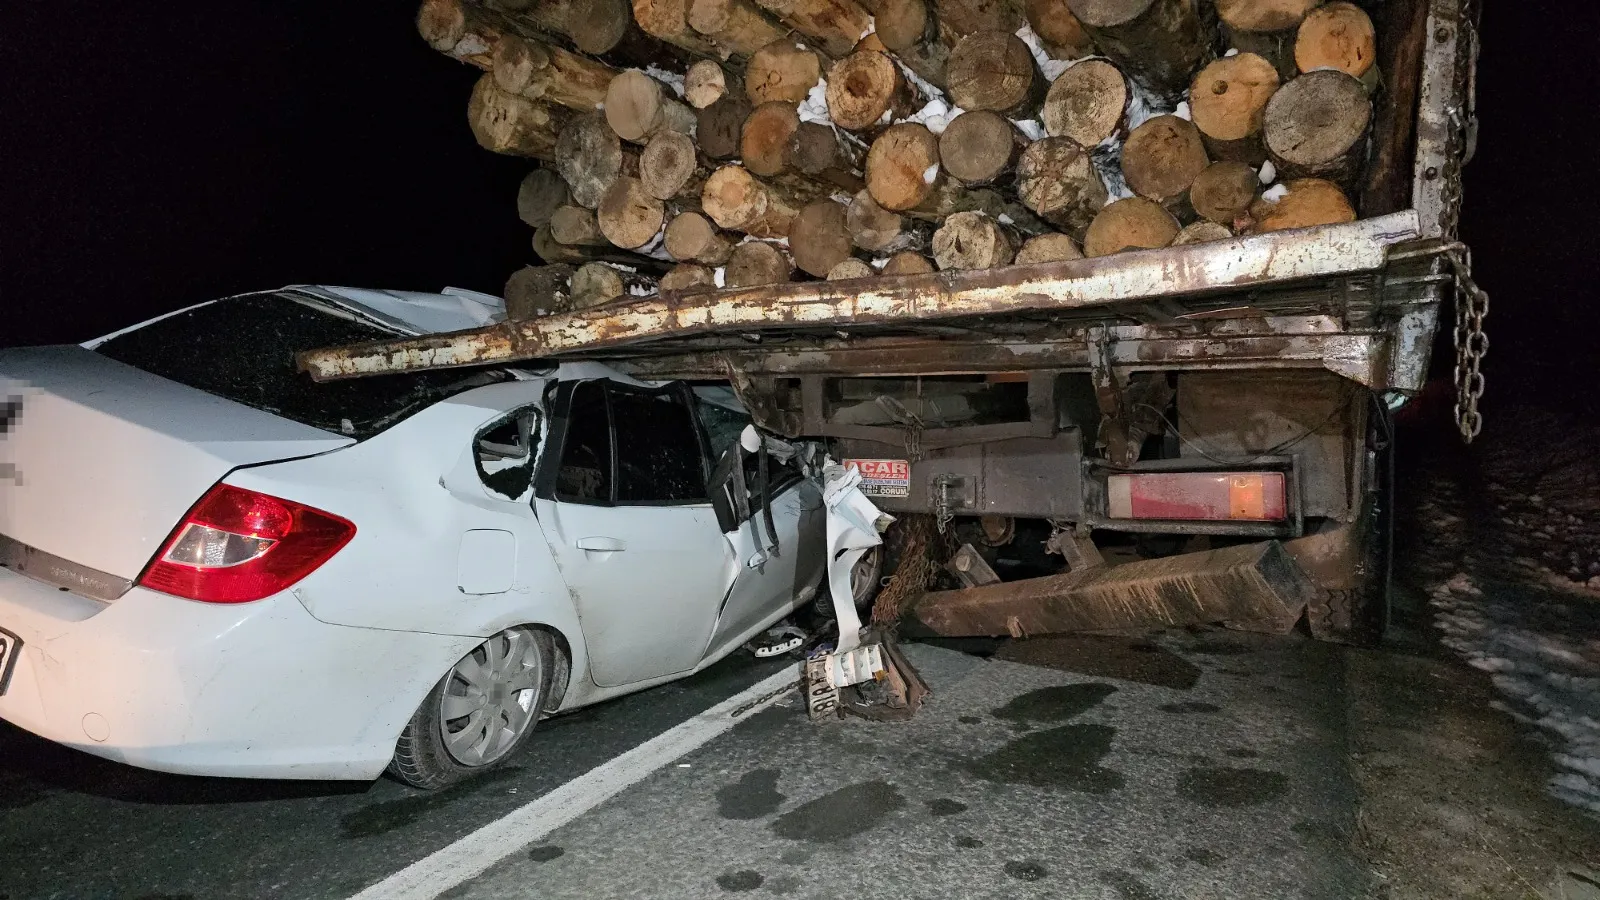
{"x":480,"y":713}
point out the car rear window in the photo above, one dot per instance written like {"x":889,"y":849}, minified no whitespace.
{"x":243,"y":348}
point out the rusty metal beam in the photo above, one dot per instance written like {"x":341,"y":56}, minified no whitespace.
{"x":1229,"y":265}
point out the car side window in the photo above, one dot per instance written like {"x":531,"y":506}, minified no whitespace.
{"x":585,"y":474}
{"x":659,"y":458}
{"x":505,"y":452}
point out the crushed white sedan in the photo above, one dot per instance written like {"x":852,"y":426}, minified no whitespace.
{"x":213,"y":565}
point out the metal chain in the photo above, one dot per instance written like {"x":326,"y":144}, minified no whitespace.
{"x":1472,"y":344}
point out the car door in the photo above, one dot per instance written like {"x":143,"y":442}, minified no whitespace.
{"x":622,"y":502}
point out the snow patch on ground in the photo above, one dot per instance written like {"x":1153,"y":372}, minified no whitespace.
{"x":1549,"y":674}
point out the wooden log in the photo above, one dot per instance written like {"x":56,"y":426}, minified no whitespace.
{"x":764,"y":145}
{"x":972,"y":240}
{"x":848,"y":269}
{"x":820,"y":237}
{"x":964,"y":17}
{"x":721,"y":127}
{"x":670,"y":167}
{"x":688,"y":278}
{"x":590,"y":156}
{"x":536,"y":291}
{"x":576,"y":226}
{"x":755,"y":263}
{"x":552,"y":251}
{"x":878,"y":230}
{"x":1388,"y":183}
{"x":596,"y":283}
{"x":910,"y":30}
{"x":738,"y":201}
{"x":1156,"y":43}
{"x":1223,"y":192}
{"x":516,"y":126}
{"x":1057,"y":180}
{"x":669,"y":21}
{"x":980,"y":147}
{"x":1338,"y":36}
{"x":907,"y":262}
{"x":782,"y":70}
{"x":595,"y":27}
{"x":540,"y":193}
{"x":1201,"y":231}
{"x":818,"y":151}
{"x":639,"y":107}
{"x":1133,"y":223}
{"x":1316,"y":126}
{"x":706,"y":82}
{"x":691,"y":237}
{"x":834,"y":25}
{"x":737,"y":27}
{"x":995,"y":70}
{"x":1228,"y":100}
{"x":1305,"y":203}
{"x":461,"y":31}
{"x":1161,"y":159}
{"x":1062,"y":35}
{"x":1088,"y":103}
{"x":629,"y":217}
{"x":866,"y":90}
{"x":1266,"y":28}
{"x":1045,"y":248}
{"x":903,"y":166}
{"x":550,"y":74}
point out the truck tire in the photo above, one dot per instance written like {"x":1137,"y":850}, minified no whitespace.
{"x":1358,"y":611}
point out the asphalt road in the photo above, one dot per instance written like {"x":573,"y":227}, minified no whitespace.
{"x":1180,"y":765}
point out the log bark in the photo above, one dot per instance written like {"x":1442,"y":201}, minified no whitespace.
{"x":706,"y":82}
{"x":595,"y":27}
{"x":1134,"y":223}
{"x":515,"y":126}
{"x":980,"y":147}
{"x":1047,"y":248}
{"x":552,"y":251}
{"x":851,"y":268}
{"x":866,"y":90}
{"x":1223,"y":192}
{"x":671,"y":168}
{"x":1228,"y":100}
{"x":820,"y":237}
{"x":721,"y":125}
{"x":737,"y":27}
{"x":995,"y":70}
{"x":691,"y":237}
{"x":834,"y":25}
{"x":972,"y":240}
{"x":577,"y":227}
{"x":783,"y":71}
{"x":597,"y":282}
{"x":1156,"y":43}
{"x":877,"y":230}
{"x":688,"y":278}
{"x":590,"y":156}
{"x":540,"y":193}
{"x":464,"y":32}
{"x":669,"y":21}
{"x":907,"y":262}
{"x":738,"y":201}
{"x":1338,"y":36}
{"x":639,"y":107}
{"x":550,"y":74}
{"x":629,"y":217}
{"x":1161,"y":159}
{"x":1309,"y":201}
{"x":1201,"y":232}
{"x":818,"y":151}
{"x":764,"y":145}
{"x":1058,"y":181}
{"x":755,"y":263}
{"x":536,"y":291}
{"x":1388,"y":183}
{"x":910,"y":29}
{"x":1088,"y":103}
{"x":1266,"y":28}
{"x":964,"y":17}
{"x":1058,"y":29}
{"x":1316,"y":126}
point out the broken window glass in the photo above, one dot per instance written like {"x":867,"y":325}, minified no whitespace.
{"x":505,"y":453}
{"x":585,"y":473}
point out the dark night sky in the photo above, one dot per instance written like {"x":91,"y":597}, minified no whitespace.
{"x":158,"y":155}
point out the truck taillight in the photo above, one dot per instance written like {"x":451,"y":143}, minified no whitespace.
{"x":1238,"y":496}
{"x":236,"y":546}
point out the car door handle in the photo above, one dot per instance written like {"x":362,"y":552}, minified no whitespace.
{"x":603,"y":544}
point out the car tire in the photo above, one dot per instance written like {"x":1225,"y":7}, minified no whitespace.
{"x":866,"y":579}
{"x":481,"y":713}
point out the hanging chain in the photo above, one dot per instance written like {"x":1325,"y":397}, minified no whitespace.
{"x":1472,"y":344}
{"x":943,"y":510}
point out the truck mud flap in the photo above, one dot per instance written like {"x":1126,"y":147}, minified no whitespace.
{"x":1256,"y":587}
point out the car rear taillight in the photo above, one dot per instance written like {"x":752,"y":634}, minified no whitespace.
{"x":1242,"y":496}
{"x":236,"y":546}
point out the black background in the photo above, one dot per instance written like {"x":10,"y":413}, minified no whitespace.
{"x":158,"y":155}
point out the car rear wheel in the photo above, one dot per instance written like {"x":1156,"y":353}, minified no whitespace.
{"x":480,"y":713}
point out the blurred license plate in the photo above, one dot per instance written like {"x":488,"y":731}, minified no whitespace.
{"x":9,"y":645}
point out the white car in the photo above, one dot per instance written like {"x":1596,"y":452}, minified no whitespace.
{"x":213,"y":565}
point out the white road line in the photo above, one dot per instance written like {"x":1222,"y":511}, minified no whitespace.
{"x":472,"y":855}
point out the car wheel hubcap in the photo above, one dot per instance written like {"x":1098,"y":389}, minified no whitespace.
{"x":489,"y":698}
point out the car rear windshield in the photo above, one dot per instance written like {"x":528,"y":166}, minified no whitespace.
{"x":243,"y":348}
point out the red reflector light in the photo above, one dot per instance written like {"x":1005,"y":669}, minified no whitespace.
{"x":1237,"y":496}
{"x":236,"y":546}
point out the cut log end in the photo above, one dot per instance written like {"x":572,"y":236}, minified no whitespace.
{"x":540,"y":193}
{"x":1316,"y":125}
{"x":704,"y":84}
{"x":1057,"y":180}
{"x":1201,"y":232}
{"x":978,"y":147}
{"x":596,"y":283}
{"x":819,"y":239}
{"x":781,"y":71}
{"x":533,"y":292}
{"x":901,"y":24}
{"x":871,"y":226}
{"x":512,"y":125}
{"x":848,"y":269}
{"x":629,"y":217}
{"x":1134,"y":223}
{"x":995,"y":71}
{"x":907,"y":262}
{"x":1229,"y":102}
{"x":1087,"y":103}
{"x":669,"y":165}
{"x":863,"y":88}
{"x":1063,"y":35}
{"x":601,"y":27}
{"x":688,"y":278}
{"x":1263,"y":15}
{"x":589,"y":157}
{"x":637,"y":107}
{"x":1337,"y":36}
{"x":756,"y":263}
{"x":721,"y":125}
{"x":1223,"y":192}
{"x":1046,"y":248}
{"x":903,"y":166}
{"x":576,"y":226}
{"x":1308,"y":202}
{"x":971,"y":240}
{"x":764,"y":145}
{"x":1162,"y":157}
{"x":691,"y":237}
